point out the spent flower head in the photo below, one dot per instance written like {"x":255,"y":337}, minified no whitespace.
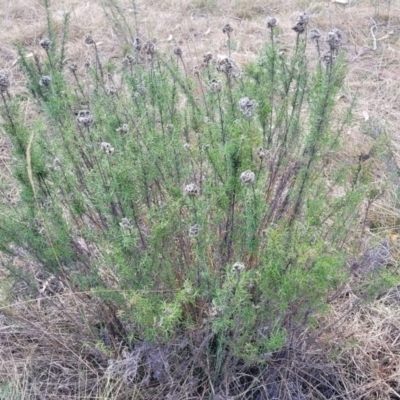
{"x":45,"y":43}
{"x":45,"y":80}
{"x":301,"y":23}
{"x":178,"y":51}
{"x":149,"y":48}
{"x":207,"y":58}
{"x":85,"y":118}
{"x":194,"y":230}
{"x":315,"y":34}
{"x":123,"y":129}
{"x":89,"y":39}
{"x":227,"y":28}
{"x":137,"y":44}
{"x":228,"y":66}
{"x":328,"y":58}
{"x":262,"y":153}
{"x":125,"y":224}
{"x":128,"y":60}
{"x":111,"y":90}
{"x":334,"y":39}
{"x":247,"y":177}
{"x":72,"y":67}
{"x":4,"y":81}
{"x":107,"y":148}
{"x":192,"y":189}
{"x":237,"y":267}
{"x":216,"y":86}
{"x":270,"y":22}
{"x":247,"y":106}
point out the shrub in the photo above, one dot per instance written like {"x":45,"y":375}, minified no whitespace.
{"x":215,"y":201}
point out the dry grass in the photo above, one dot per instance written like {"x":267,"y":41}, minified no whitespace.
{"x":367,"y":342}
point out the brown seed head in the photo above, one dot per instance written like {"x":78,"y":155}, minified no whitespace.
{"x":46,"y":44}
{"x":89,"y":40}
{"x":270,"y":22}
{"x":4,"y":81}
{"x":227,"y":29}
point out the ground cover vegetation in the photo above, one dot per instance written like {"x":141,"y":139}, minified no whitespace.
{"x":181,"y":228}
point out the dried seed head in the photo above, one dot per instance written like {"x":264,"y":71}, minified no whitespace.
{"x":137,"y":44}
{"x":57,"y":164}
{"x":227,"y":29}
{"x":169,"y":128}
{"x":89,"y":40}
{"x":123,"y":129}
{"x":247,"y":177}
{"x":216,"y":86}
{"x":72,"y":67}
{"x":270,"y":22}
{"x":247,"y":106}
{"x":4,"y":81}
{"x":262,"y":153}
{"x":328,"y":58}
{"x":194,"y":230}
{"x":334,"y":39}
{"x":192,"y":189}
{"x":207,"y":58}
{"x":187,"y":146}
{"x":87,"y":64}
{"x":213,"y":311}
{"x":149,"y":48}
{"x":85,"y":118}
{"x":46,"y":44}
{"x":125,"y":224}
{"x":111,"y":90}
{"x":45,"y":81}
{"x":315,"y":34}
{"x":228,"y":66}
{"x":128,"y":60}
{"x":178,"y":51}
{"x":142,"y":89}
{"x":301,"y":23}
{"x":196,"y":70}
{"x":107,"y":148}
{"x":237,"y":267}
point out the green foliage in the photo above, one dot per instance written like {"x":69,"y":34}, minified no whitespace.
{"x":186,"y":201}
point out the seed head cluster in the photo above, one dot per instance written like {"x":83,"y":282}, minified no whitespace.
{"x":247,"y":106}
{"x":128,"y":60}
{"x":227,"y":29}
{"x":192,"y":189}
{"x":194,"y":230}
{"x":107,"y":148}
{"x":125,"y":224}
{"x":334,"y":39}
{"x":270,"y":22}
{"x":216,"y":86}
{"x":45,"y":43}
{"x":45,"y":81}
{"x":228,"y":66}
{"x":315,"y":34}
{"x":301,"y":23}
{"x":237,"y":267}
{"x":4,"y":81}
{"x":178,"y":51}
{"x":89,"y":40}
{"x":85,"y":118}
{"x":247,"y":177}
{"x":207,"y":58}
{"x":123,"y":129}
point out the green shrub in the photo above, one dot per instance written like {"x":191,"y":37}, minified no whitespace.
{"x":213,"y":200}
